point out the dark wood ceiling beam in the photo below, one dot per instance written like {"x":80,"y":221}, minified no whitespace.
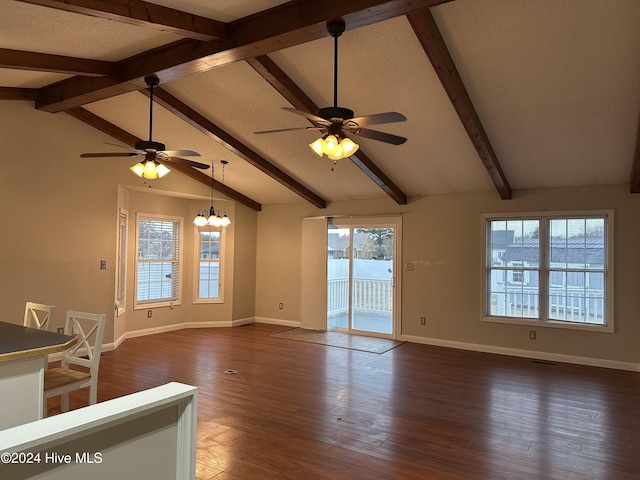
{"x":292,"y":23}
{"x":434,"y":46}
{"x":213,"y":131}
{"x":139,"y":13}
{"x":635,"y":170}
{"x":129,"y":139}
{"x":283,"y":84}
{"x":279,"y":80}
{"x":44,"y":62}
{"x":13,"y":93}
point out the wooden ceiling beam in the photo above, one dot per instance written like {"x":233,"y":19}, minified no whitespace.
{"x":13,"y":93}
{"x":44,"y":62}
{"x":434,"y":46}
{"x":635,"y":170}
{"x":279,"y":80}
{"x":144,"y":14}
{"x":213,"y":131}
{"x":292,"y":23}
{"x":129,"y":139}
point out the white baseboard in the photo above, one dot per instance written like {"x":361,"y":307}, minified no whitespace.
{"x":171,"y":328}
{"x":515,"y":352}
{"x":278,"y":321}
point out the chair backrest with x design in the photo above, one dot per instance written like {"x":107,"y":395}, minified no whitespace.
{"x":38,"y":315}
{"x":89,"y":328}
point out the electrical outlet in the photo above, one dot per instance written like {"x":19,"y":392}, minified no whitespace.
{"x":103,"y":264}
{"x":280,"y":306}
{"x":423,"y":320}
{"x":532,"y":334}
{"x":60,"y":330}
{"x":411,"y":267}
{"x":149,"y":313}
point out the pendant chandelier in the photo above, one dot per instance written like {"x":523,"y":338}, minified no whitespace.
{"x":213,"y":217}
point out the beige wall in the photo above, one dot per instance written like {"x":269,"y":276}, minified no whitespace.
{"x":442,"y":237}
{"x":60,"y":217}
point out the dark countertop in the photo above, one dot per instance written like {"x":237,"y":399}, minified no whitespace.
{"x":17,"y":342}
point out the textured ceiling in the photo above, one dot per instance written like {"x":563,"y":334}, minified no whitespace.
{"x":556,"y":86}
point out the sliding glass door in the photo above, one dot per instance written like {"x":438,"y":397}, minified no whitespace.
{"x":361,"y":279}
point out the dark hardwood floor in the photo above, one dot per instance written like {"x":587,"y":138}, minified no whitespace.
{"x":298,"y":410}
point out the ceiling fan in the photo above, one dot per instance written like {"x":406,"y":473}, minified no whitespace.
{"x":155,"y":154}
{"x":337,"y":123}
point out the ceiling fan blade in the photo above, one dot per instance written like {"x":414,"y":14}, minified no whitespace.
{"x":185,"y":162}
{"x":178,"y":153}
{"x":112,"y":154}
{"x":377,"y":118}
{"x":380,"y":136}
{"x":310,"y":116}
{"x":290,"y":129}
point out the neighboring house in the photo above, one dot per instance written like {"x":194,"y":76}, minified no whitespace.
{"x":574,"y":253}
{"x":576,"y":278}
{"x":500,"y":239}
{"x":338,"y":246}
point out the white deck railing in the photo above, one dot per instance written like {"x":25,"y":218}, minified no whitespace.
{"x":576,"y":306}
{"x":374,"y":296}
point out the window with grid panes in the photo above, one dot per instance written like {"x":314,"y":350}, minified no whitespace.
{"x":209,"y":247}
{"x":551,"y":269}
{"x":158,"y":247}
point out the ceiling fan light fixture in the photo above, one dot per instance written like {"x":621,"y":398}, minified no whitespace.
{"x":317,"y":146}
{"x":138,"y":169}
{"x":161,"y":170}
{"x":330,"y":145}
{"x":348,"y":147}
{"x":334,"y":147}
{"x":150,"y":169}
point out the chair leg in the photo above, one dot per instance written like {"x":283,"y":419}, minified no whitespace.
{"x":64,"y":402}
{"x":93,"y":394}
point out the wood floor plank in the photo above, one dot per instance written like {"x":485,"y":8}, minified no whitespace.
{"x":296,"y":410}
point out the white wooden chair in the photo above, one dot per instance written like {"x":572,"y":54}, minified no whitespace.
{"x":84,"y":356}
{"x":38,"y":315}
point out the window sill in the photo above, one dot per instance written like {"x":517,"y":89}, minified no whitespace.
{"x":147,"y":306}
{"x":207,"y":301}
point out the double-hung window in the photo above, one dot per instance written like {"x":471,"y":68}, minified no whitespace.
{"x":551,"y":269}
{"x":209,"y":248}
{"x":158,"y":254}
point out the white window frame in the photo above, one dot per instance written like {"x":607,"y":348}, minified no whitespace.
{"x":196,"y":267}
{"x":544,"y":269}
{"x":168,"y":302}
{"x":121,"y":263}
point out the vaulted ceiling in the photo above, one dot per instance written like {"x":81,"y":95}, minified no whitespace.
{"x":498,"y":94}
